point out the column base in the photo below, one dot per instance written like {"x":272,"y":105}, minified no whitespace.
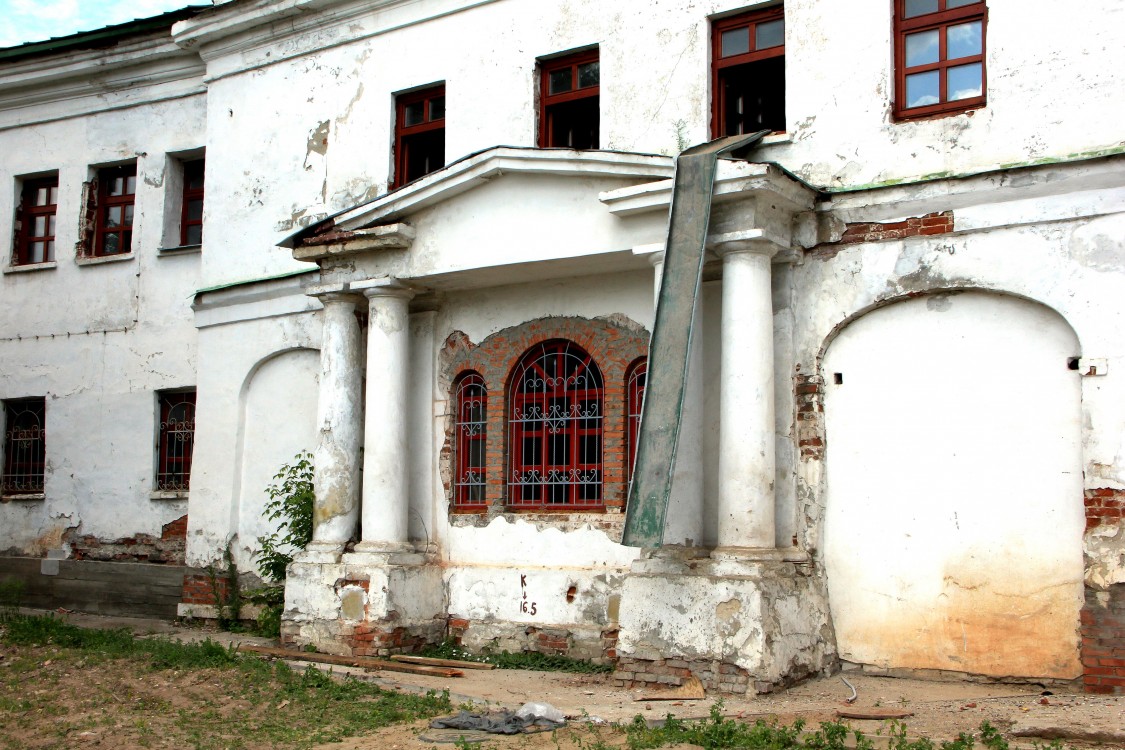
{"x":364,"y":604}
{"x":741,"y":620}
{"x":320,"y":553}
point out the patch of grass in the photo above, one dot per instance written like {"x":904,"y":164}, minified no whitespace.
{"x":233,"y":699}
{"x":532,"y":660}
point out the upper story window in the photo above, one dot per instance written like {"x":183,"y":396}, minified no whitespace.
{"x":191,"y":213}
{"x":470,"y":399}
{"x":116,"y":194}
{"x":939,"y":56}
{"x":25,"y":440}
{"x":555,"y":407}
{"x":569,"y":113}
{"x":35,"y":221}
{"x":175,"y":440}
{"x":419,"y":134}
{"x":748,"y":72}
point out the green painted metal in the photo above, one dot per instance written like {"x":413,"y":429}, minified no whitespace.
{"x":688,"y":220}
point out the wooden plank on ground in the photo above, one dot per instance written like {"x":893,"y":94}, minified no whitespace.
{"x":352,"y":661}
{"x":873,"y":713}
{"x":431,"y":662}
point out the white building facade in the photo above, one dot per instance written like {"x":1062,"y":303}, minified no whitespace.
{"x":430,"y":252}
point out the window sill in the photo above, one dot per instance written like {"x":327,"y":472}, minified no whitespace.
{"x":103,"y":259}
{"x":49,"y":265}
{"x":180,"y":250}
{"x":168,"y":495}
{"x":35,"y":496}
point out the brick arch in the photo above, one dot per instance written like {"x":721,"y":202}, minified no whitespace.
{"x":613,"y":344}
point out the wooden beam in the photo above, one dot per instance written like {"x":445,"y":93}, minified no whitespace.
{"x":351,"y":661}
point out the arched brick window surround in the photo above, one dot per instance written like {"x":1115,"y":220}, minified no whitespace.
{"x":613,"y":343}
{"x":470,"y":404}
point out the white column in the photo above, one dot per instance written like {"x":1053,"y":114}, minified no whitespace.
{"x":684,"y":522}
{"x":746,"y":410}
{"x":340,"y":421}
{"x":386,"y":498}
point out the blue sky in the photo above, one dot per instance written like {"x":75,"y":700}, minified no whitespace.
{"x":35,"y":20}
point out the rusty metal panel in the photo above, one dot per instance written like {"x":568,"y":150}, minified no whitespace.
{"x":671,"y":337}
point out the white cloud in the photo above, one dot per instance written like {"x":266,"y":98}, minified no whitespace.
{"x":54,"y":10}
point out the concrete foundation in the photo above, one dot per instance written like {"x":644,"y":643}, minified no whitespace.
{"x":740,"y":620}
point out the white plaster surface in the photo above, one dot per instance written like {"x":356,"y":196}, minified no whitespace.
{"x":954,"y":498}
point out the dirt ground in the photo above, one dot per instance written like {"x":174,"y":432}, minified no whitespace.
{"x":940,"y":710}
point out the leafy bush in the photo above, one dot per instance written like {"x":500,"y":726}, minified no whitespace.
{"x":291,"y":507}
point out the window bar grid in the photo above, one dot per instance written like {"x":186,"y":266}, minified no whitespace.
{"x":177,"y":438}
{"x":555,"y":429}
{"x":470,"y":427}
{"x":635,"y":395}
{"x":25,"y":438}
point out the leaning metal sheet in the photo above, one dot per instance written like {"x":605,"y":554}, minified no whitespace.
{"x":671,"y":338}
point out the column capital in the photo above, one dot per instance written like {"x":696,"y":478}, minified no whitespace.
{"x":752,"y":241}
{"x":386,"y":287}
{"x":338,"y":292}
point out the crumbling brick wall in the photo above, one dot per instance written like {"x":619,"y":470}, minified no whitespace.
{"x":613,"y":343}
{"x":166,"y":549}
{"x":1103,"y":616}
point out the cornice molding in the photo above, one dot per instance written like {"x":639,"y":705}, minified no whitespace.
{"x":244,"y":36}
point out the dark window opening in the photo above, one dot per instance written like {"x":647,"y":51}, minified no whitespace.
{"x":471,"y":431}
{"x":175,"y":440}
{"x":113,"y":223}
{"x":570,"y":112}
{"x":25,"y":452}
{"x":35,"y":221}
{"x":752,"y":97}
{"x":191,"y":216}
{"x":748,"y":73}
{"x":419,"y":134}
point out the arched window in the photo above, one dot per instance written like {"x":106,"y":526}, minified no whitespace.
{"x":177,"y":437}
{"x":555,"y":407}
{"x":470,"y":399}
{"x":635,"y":379}
{"x":24,"y":446}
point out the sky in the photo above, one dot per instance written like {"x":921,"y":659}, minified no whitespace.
{"x":35,"y":20}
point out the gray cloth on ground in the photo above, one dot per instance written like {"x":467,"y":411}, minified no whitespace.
{"x":499,"y":722}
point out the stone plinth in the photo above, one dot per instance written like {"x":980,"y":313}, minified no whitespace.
{"x":740,"y":620}
{"x":366,"y":604}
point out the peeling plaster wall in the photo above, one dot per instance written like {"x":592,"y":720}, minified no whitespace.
{"x":254,"y":414}
{"x":1071,"y":266}
{"x":302,"y":117}
{"x":97,"y":341}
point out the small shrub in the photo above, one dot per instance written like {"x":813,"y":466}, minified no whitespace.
{"x":291,"y":507}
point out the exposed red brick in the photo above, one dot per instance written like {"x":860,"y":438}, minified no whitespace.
{"x":930,"y":224}
{"x":1103,"y":636}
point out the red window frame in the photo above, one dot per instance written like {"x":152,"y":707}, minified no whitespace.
{"x":191,"y":212}
{"x":720,"y":63}
{"x":117,"y":196}
{"x":940,"y":20}
{"x":553,"y":106}
{"x":636,"y":379}
{"x":175,"y":440}
{"x":35,"y":236}
{"x":556,"y":399}
{"x":470,"y":426}
{"x":25,"y":446}
{"x":409,"y":138}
